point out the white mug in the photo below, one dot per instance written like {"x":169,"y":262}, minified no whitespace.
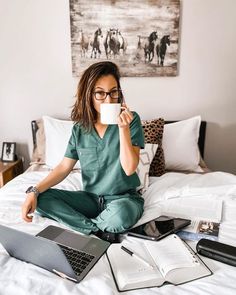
{"x":110,"y":112}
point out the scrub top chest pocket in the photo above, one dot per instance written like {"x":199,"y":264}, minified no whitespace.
{"x":88,"y":158}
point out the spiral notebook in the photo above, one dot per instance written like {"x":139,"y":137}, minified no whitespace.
{"x":169,"y":260}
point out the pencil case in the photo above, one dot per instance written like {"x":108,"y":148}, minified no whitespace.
{"x":217,"y":251}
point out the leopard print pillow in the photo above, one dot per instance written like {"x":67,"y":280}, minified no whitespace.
{"x":153,"y":132}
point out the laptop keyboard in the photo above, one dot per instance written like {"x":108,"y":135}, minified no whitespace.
{"x":78,"y":260}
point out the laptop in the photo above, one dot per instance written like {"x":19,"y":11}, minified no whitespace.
{"x":55,"y":249}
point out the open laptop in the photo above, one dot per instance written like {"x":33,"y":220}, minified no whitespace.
{"x":58,"y":250}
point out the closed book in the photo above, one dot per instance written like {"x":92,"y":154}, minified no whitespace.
{"x":200,"y":229}
{"x":169,"y":260}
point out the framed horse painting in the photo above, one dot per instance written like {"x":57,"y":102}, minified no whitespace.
{"x":141,"y":36}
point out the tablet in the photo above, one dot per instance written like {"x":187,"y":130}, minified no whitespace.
{"x":159,"y":228}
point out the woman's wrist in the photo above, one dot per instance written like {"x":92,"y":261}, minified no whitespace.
{"x":34,"y":190}
{"x":124,"y":128}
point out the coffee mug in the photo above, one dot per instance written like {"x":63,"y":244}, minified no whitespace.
{"x":110,"y":112}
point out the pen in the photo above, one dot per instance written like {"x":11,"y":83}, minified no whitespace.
{"x":131,"y":253}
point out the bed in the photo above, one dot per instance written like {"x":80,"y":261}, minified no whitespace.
{"x":168,"y":193}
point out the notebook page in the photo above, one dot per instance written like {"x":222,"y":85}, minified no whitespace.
{"x":170,"y":253}
{"x":131,"y":272}
{"x":135,"y":268}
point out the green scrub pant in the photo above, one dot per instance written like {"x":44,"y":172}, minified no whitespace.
{"x":86,"y":212}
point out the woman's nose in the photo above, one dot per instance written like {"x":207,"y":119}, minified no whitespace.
{"x":108,"y":99}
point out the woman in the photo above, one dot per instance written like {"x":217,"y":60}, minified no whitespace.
{"x":109,"y":156}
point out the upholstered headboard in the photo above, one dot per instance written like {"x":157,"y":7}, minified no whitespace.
{"x":201,"y":140}
{"x":34,"y":128}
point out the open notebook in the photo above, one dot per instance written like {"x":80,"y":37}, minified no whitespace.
{"x":170,"y":260}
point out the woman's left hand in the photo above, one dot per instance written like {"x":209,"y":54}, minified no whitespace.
{"x":125,"y":117}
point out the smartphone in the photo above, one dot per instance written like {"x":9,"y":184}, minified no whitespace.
{"x":159,"y":228}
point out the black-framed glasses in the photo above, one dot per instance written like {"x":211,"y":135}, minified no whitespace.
{"x":102,"y":95}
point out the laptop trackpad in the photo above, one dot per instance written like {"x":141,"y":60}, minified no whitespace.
{"x":72,"y":240}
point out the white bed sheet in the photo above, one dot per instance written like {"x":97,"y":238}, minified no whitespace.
{"x":18,"y":277}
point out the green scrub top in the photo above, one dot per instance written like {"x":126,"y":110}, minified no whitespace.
{"x":102,"y":173}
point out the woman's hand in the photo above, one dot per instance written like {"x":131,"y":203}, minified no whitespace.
{"x":129,"y":154}
{"x":29,"y":207}
{"x":125,"y":117}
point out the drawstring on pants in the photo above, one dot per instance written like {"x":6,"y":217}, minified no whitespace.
{"x":101,"y":203}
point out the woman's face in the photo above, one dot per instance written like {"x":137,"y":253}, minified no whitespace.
{"x":105,"y":84}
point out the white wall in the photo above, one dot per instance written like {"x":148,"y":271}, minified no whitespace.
{"x":36,"y":79}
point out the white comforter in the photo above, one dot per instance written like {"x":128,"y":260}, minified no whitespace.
{"x":165,"y":194}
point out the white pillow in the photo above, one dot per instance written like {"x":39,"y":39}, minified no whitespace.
{"x":180,"y":145}
{"x":57,"y":134}
{"x":146,"y":156}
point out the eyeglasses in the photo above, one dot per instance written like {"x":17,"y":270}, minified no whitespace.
{"x":102,"y":95}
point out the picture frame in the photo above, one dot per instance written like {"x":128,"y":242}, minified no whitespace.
{"x":8,"y":151}
{"x":111,"y":30}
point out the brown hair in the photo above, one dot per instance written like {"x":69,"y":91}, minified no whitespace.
{"x":83,"y":111}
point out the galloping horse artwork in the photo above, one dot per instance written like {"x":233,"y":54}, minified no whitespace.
{"x":114,"y":43}
{"x":96,"y":44}
{"x":123,"y":42}
{"x":149,"y":46}
{"x":161,"y":49}
{"x":141,"y":37}
{"x":83,"y":41}
{"x":111,"y":43}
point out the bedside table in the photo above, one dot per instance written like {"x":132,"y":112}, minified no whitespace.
{"x":9,"y":170}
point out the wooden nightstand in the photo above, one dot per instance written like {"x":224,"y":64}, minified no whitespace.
{"x":9,"y":170}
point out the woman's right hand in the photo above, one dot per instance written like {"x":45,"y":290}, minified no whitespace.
{"x":59,"y":173}
{"x":29,"y":207}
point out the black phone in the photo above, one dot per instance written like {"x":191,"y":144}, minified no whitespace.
{"x":159,"y":228}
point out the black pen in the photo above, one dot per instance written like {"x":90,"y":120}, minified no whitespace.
{"x":131,"y":253}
